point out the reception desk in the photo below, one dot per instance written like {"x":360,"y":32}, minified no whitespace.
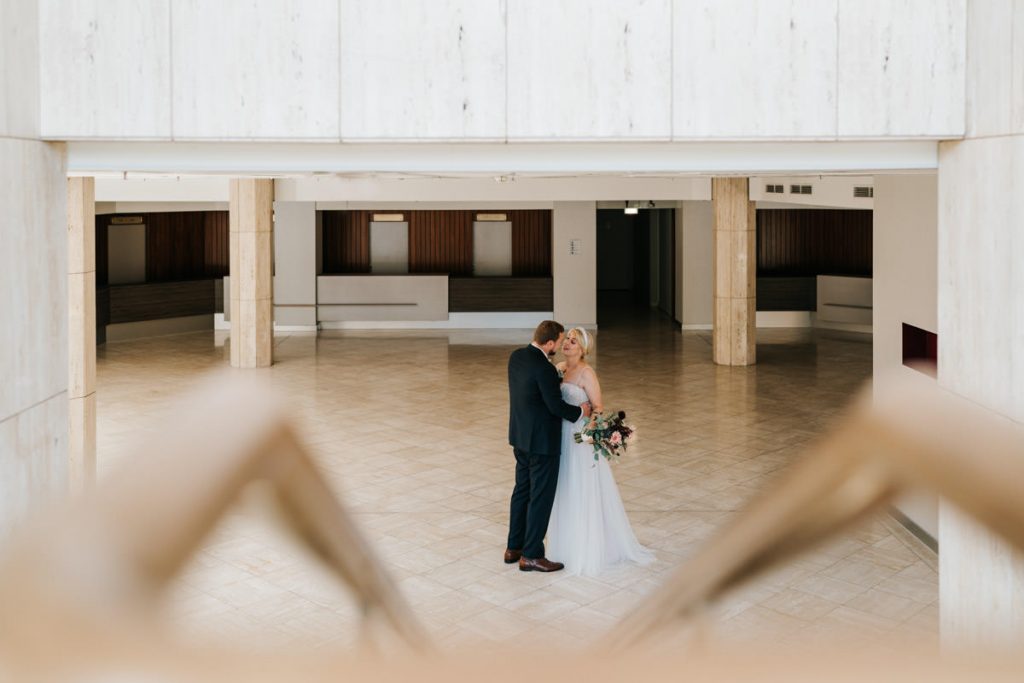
{"x":347,"y":298}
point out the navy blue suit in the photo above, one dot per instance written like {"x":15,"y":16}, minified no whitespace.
{"x":535,"y":434}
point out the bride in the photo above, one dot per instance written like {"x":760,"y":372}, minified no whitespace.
{"x":589,"y":530}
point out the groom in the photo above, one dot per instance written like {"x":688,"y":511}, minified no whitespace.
{"x":535,"y":433}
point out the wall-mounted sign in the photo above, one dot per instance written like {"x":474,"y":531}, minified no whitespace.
{"x":492,"y":217}
{"x":388,"y":217}
{"x":127,"y":220}
{"x":575,"y":247}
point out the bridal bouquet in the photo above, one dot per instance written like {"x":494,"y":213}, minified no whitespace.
{"x":609,"y":434}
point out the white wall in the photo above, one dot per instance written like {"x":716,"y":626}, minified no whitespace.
{"x":33,"y":282}
{"x":697,"y":284}
{"x":981,"y":310}
{"x":295,"y":263}
{"x":409,"y":192}
{"x":574,"y":275}
{"x":905,"y":290}
{"x":496,"y":70}
{"x":19,"y":75}
{"x":834,"y":192}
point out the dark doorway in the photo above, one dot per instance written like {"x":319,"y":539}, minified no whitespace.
{"x":635,"y":263}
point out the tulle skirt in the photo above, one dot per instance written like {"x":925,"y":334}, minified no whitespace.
{"x":589,"y":530}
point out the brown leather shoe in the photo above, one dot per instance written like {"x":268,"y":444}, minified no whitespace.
{"x":512,"y":556}
{"x":540,"y":564}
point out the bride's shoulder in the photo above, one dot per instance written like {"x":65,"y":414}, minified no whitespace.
{"x":589,"y":373}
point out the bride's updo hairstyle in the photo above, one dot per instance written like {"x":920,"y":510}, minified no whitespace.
{"x":584,"y":339}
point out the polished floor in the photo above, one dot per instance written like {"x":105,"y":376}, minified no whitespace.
{"x":410,"y":428}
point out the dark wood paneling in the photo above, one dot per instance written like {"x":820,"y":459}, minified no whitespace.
{"x":132,"y":303}
{"x":180,"y":245}
{"x":787,"y":293}
{"x":813,"y":242}
{"x":531,"y":242}
{"x":216,"y":254}
{"x":345,"y":242}
{"x":441,"y":242}
{"x":102,"y":254}
{"x":175,"y":244}
{"x":218,"y":295}
{"x":102,"y":313}
{"x":499,"y":294}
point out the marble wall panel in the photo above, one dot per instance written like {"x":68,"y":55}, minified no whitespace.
{"x":33,"y":459}
{"x":901,"y":67}
{"x":1017,"y":60}
{"x":589,"y":69}
{"x":981,"y":246}
{"x":754,"y":69}
{"x":105,"y":69}
{"x":245,"y":70}
{"x":989,"y":67}
{"x":422,"y":69}
{"x":19,"y":79}
{"x":33,"y":274}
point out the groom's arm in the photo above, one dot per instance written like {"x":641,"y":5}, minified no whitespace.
{"x":552,"y":395}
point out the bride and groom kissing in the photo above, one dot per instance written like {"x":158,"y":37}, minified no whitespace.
{"x":560,"y":489}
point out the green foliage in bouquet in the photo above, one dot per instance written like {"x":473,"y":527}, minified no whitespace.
{"x":609,"y":434}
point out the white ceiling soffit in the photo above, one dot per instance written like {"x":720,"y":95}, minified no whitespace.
{"x":697,"y":158}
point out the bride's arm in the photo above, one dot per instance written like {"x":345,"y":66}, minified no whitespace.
{"x":593,"y":389}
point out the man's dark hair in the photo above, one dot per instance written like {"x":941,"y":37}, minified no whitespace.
{"x":549,"y":330}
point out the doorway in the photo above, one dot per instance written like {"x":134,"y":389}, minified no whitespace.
{"x":635,"y":265}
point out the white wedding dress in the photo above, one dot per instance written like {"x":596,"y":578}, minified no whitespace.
{"x":589,"y":531}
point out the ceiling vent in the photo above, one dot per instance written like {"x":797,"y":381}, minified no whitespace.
{"x":774,"y":189}
{"x":863,"y":191}
{"x":800,"y":189}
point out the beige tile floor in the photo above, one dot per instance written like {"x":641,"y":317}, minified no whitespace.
{"x":410,"y":429}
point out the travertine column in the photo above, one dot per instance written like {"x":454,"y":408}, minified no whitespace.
{"x":252,"y":224}
{"x":981,"y":312}
{"x":734,"y":335}
{"x":81,"y":332}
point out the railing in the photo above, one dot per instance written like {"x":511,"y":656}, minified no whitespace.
{"x":75,"y":588}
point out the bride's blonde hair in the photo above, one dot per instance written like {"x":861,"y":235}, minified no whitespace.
{"x":584,"y":339}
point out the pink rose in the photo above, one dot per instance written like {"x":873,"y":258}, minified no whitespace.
{"x":616,"y":438}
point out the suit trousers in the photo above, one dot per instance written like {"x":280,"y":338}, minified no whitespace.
{"x":532,"y":498}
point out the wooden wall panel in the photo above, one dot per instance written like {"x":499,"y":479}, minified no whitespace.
{"x":787,"y":293}
{"x":531,"y":243}
{"x":175,"y":244}
{"x":345,"y":242}
{"x":217,"y":261}
{"x":441,"y":242}
{"x":795,"y":242}
{"x":180,"y":245}
{"x":156,"y":301}
{"x":504,"y":294}
{"x":102,"y":255}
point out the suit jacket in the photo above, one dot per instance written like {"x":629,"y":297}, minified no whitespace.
{"x":536,"y":405}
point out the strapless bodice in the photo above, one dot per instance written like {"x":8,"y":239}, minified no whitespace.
{"x":573,"y":394}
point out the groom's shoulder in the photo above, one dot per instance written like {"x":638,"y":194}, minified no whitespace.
{"x":525,"y":355}
{"x":522,"y":351}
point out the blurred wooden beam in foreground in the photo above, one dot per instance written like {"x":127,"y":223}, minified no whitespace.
{"x":76,"y":588}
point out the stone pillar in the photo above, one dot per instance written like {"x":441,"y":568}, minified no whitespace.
{"x":981,"y":313}
{"x":81,"y":332}
{"x":252,"y":224}
{"x":734,"y":336}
